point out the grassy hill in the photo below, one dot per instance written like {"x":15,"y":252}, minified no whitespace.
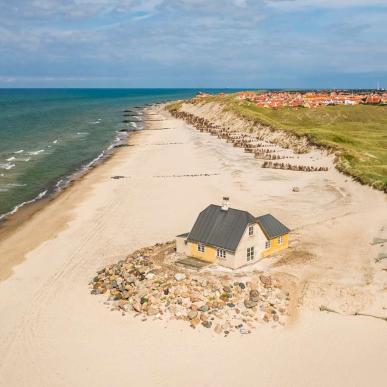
{"x":358,"y":133}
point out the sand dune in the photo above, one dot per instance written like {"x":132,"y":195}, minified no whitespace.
{"x":54,"y":333}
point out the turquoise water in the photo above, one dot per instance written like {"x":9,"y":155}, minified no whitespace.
{"x":48,"y":134}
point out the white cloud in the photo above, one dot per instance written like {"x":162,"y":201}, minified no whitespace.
{"x":296,"y":4}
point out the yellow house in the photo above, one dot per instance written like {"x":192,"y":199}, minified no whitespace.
{"x":231,"y":237}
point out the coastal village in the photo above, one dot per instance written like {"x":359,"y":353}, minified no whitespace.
{"x":312,"y":99}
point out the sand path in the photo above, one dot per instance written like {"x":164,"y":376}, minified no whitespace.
{"x":54,"y":333}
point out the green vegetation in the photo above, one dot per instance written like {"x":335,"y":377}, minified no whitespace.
{"x":357,"y":133}
{"x":174,"y":106}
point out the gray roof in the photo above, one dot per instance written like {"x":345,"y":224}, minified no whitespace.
{"x":182,"y":235}
{"x":223,"y":229}
{"x":271,"y":226}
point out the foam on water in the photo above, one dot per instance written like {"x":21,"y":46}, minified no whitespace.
{"x":34,"y":153}
{"x":7,"y":166}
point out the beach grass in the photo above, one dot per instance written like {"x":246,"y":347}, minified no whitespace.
{"x":358,"y":134}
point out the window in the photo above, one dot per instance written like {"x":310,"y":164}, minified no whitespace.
{"x":250,"y":253}
{"x":251,"y":230}
{"x":220,"y":253}
{"x":267,"y":244}
{"x":201,"y":247}
{"x":280,"y":240}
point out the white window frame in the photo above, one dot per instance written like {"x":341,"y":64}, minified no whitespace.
{"x":201,"y":247}
{"x":250,"y":254}
{"x":221,"y":253}
{"x":251,"y":230}
{"x":280,"y":240}
{"x":268,"y":244}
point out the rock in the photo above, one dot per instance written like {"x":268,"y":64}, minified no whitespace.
{"x":244,"y":331}
{"x":152,"y":311}
{"x":207,"y":324}
{"x":265,"y":279}
{"x":254,"y":295}
{"x":192,"y":314}
{"x":250,"y":303}
{"x":137,"y":307}
{"x":296,"y":189}
{"x":195,"y":322}
{"x":150,"y":276}
{"x":227,"y":289}
{"x":218,"y":329}
{"x":204,"y":308}
{"x":204,"y":317}
{"x":242,"y":285}
{"x":180,"y":276}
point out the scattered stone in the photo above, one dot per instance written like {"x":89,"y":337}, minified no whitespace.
{"x":244,"y":331}
{"x":254,"y":295}
{"x":250,"y":304}
{"x":180,"y":276}
{"x":266,"y":280}
{"x":204,"y":308}
{"x":192,"y":314}
{"x":146,"y":284}
{"x":296,"y":189}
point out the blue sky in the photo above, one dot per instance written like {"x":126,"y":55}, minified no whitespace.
{"x":193,"y":43}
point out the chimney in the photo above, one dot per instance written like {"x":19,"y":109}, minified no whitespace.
{"x":225,"y":203}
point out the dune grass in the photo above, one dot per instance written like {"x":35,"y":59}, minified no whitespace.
{"x":357,"y":133}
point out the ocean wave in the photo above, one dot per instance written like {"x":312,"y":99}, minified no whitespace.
{"x":16,"y":185}
{"x":94,"y":122}
{"x":16,"y":208}
{"x":19,"y":151}
{"x":3,"y":190}
{"x":24,"y":160}
{"x":55,"y":141}
{"x":82,"y":133}
{"x":7,"y":166}
{"x":63,"y":183}
{"x":11,"y":158}
{"x":34,"y":153}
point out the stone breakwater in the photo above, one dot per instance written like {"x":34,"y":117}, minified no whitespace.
{"x":257,"y":142}
{"x":148,"y":283}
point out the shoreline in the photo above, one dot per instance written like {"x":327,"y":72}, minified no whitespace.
{"x":14,"y":220}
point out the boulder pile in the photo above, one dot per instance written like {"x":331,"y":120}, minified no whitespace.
{"x":150,"y":284}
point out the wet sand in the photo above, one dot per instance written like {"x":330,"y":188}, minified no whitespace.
{"x":54,"y":333}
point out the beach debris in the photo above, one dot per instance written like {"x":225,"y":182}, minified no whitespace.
{"x":378,"y":241}
{"x":380,"y":257}
{"x":117,"y":177}
{"x":150,"y":284}
{"x":296,"y":189}
{"x":324,"y":308}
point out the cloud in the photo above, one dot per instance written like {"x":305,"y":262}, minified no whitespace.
{"x":187,"y":42}
{"x":297,"y":4}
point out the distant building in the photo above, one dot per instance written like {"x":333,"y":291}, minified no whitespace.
{"x":231,"y":237}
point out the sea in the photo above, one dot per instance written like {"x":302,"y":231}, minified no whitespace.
{"x":48,"y":135}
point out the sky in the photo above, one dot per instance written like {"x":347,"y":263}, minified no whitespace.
{"x":193,"y":43}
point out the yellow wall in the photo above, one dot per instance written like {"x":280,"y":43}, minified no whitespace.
{"x":209,"y":254}
{"x":274,"y":246}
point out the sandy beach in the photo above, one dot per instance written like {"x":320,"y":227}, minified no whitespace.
{"x":54,"y":333}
